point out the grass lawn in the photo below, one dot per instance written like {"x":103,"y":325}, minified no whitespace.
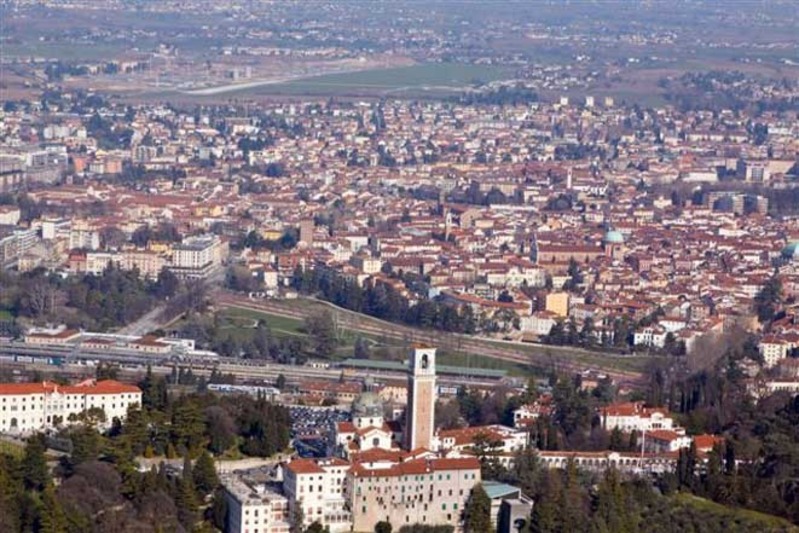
{"x":245,"y":318}
{"x":430,"y":77}
{"x":65,"y":51}
{"x":741,"y":517}
{"x":12,"y":449}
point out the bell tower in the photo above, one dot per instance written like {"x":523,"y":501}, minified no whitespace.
{"x":420,"y":413}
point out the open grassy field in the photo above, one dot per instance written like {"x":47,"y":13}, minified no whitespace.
{"x":65,"y":52}
{"x":451,"y":348}
{"x":243,"y":318}
{"x":431,"y":78}
{"x":240,"y":323}
{"x":686,"y":505}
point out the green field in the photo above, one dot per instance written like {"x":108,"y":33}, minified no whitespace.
{"x":431,"y":78}
{"x":450,"y":352}
{"x":688,"y":507}
{"x":239,"y":319}
{"x":239,"y":323}
{"x":65,"y":52}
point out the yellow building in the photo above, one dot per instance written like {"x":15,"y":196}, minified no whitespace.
{"x":558,"y":303}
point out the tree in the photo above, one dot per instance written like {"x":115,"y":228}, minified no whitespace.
{"x":767,"y":299}
{"x":322,"y":329}
{"x":546,"y":516}
{"x":615,"y":510}
{"x":317,"y":527}
{"x":35,"y":473}
{"x":220,"y":428}
{"x":280,"y":382}
{"x":575,"y":276}
{"x":186,"y":496}
{"x":52,"y":518}
{"x":219,"y":510}
{"x":478,"y":511}
{"x":205,"y":476}
{"x":167,"y":284}
{"x":296,"y":519}
{"x":86,"y":445}
{"x":383,"y":527}
{"x":361,"y":348}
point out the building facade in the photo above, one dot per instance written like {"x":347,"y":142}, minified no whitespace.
{"x":316,"y":490}
{"x":254,"y":508}
{"x":30,"y":407}
{"x":419,"y":491}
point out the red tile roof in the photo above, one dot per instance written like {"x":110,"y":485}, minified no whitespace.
{"x":86,"y":387}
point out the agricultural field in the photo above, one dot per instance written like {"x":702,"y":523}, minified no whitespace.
{"x":430,"y":79}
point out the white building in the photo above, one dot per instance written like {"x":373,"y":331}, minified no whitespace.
{"x":31,"y":407}
{"x":254,"y":508}
{"x":652,"y":336}
{"x":197,"y":257}
{"x":773,"y":349}
{"x":665,"y":440}
{"x":9,"y":215}
{"x":539,"y":323}
{"x":508,"y":440}
{"x":84,"y":238}
{"x":633,"y":416}
{"x":318,"y":488}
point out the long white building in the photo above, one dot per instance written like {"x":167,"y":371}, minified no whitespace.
{"x":31,"y":407}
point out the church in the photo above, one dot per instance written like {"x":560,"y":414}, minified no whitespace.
{"x":398,"y":471}
{"x":369,"y":430}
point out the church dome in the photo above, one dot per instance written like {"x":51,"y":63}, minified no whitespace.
{"x":367,"y":405}
{"x":613,"y":237}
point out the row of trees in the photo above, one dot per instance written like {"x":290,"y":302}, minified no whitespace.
{"x":383,"y":301}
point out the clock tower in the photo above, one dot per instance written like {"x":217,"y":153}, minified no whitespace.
{"x":420,"y":413}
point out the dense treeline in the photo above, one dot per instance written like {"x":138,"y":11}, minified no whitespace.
{"x":382,"y":301}
{"x":571,"y":500}
{"x":190,"y":423}
{"x":95,"y":302}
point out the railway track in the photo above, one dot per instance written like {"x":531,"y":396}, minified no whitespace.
{"x":552,"y":357}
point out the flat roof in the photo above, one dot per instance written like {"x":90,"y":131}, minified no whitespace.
{"x":440,"y":369}
{"x":497,"y":490}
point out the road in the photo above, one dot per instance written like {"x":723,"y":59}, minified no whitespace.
{"x":146,"y":323}
{"x":550,"y":356}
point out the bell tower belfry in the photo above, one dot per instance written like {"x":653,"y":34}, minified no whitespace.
{"x":420,"y":413}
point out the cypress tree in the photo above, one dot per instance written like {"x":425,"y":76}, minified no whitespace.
{"x":205,"y":477}
{"x":478,"y":511}
{"x":35,"y":473}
